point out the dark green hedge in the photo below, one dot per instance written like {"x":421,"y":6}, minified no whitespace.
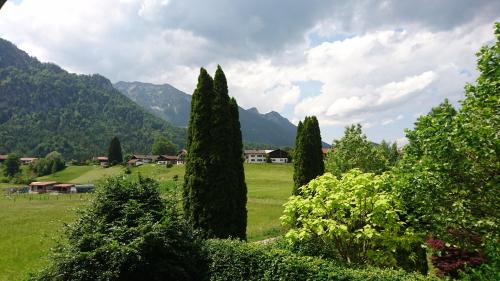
{"x":233,"y":260}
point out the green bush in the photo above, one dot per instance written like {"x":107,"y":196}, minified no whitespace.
{"x":128,"y":233}
{"x":235,"y":260}
{"x":355,"y":217}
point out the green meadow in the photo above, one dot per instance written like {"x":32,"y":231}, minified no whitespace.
{"x":31,"y":224}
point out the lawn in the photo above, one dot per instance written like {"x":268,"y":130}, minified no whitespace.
{"x":82,"y":174}
{"x":28,"y":228}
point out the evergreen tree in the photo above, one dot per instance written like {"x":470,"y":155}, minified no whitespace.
{"x":308,"y":158}
{"x":115,"y":152}
{"x":240,"y":196}
{"x":197,"y":179}
{"x":214,"y":189}
{"x":12,"y":165}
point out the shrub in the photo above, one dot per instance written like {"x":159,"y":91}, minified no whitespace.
{"x":235,"y":260}
{"x":128,"y":233}
{"x":169,"y":165}
{"x":354,"y":217}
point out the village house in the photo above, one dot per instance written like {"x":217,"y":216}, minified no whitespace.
{"x":27,"y":160}
{"x":134,"y":162}
{"x":255,"y":156}
{"x":2,"y":158}
{"x":278,"y":156}
{"x":260,"y":156}
{"x":325,"y":151}
{"x":181,"y":157}
{"x":166,"y":159}
{"x":103,"y":161}
{"x":144,"y":158}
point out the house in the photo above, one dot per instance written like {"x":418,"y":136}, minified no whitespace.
{"x":144,"y":158}
{"x":134,"y":162}
{"x":3,"y":158}
{"x":103,"y":161}
{"x":64,"y":187}
{"x":181,"y":157}
{"x":27,"y":160}
{"x":278,"y":156}
{"x":325,"y":151}
{"x":255,"y":156}
{"x":41,"y":186}
{"x":166,"y":159}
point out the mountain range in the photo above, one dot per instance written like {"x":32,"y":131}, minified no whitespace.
{"x":44,"y":108}
{"x":173,"y":105}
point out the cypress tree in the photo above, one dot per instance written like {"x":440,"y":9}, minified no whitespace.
{"x":308,"y":157}
{"x":12,"y":165}
{"x":240,"y":195}
{"x":214,"y":189}
{"x":115,"y":152}
{"x":197,"y":178}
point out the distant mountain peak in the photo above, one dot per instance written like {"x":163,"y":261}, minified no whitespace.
{"x":253,"y":110}
{"x":174,"y":106}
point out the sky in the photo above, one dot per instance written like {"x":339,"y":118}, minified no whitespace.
{"x":378,"y":63}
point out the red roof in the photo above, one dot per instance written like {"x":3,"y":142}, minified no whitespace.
{"x":325,"y":150}
{"x":102,"y":158}
{"x":3,"y":157}
{"x":42,"y":183}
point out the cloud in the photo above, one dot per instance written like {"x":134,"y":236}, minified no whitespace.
{"x":373,"y":59}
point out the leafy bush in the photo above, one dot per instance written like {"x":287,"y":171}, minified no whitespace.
{"x":128,"y":233}
{"x":354,"y":217}
{"x":52,"y":163}
{"x":235,"y":260}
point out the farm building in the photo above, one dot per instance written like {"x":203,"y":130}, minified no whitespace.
{"x":2,"y":158}
{"x":84,"y":188}
{"x":64,"y":187}
{"x":42,"y":186}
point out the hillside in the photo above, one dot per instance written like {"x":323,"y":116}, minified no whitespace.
{"x":45,"y":108}
{"x":173,"y":106}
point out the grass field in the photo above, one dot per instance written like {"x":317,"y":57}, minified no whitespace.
{"x":82,"y":174}
{"x":28,"y":228}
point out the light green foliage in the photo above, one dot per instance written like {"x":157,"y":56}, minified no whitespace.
{"x":52,"y":163}
{"x":12,"y":165}
{"x":448,"y":178}
{"x":354,"y":150}
{"x":162,"y":146}
{"x":355,"y":216}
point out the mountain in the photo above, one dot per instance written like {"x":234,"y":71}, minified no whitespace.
{"x":173,"y":106}
{"x":45,"y":108}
